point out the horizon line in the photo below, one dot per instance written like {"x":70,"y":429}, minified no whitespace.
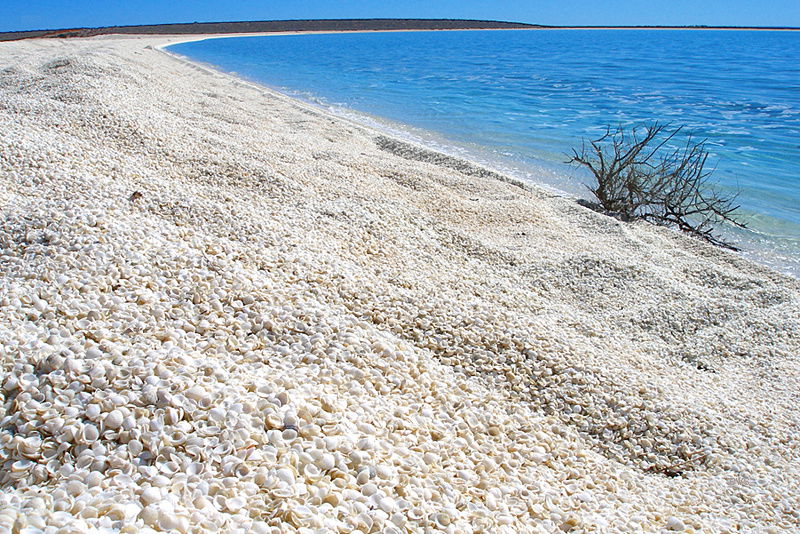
{"x":508,"y":24}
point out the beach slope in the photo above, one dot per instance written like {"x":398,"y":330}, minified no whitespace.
{"x":222,"y":308}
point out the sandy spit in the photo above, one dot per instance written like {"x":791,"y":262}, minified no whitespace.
{"x":222,"y":309}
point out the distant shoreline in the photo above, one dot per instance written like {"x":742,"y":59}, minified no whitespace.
{"x":337,"y":25}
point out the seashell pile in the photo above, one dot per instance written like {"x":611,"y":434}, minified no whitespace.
{"x":207,"y":327}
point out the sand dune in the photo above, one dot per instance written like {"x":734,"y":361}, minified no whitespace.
{"x":224,"y":309}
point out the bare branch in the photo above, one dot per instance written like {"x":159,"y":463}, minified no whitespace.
{"x":638,"y":177}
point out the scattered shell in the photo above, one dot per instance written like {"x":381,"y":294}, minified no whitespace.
{"x":288,"y":337}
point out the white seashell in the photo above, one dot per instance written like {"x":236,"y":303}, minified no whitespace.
{"x":369,"y":489}
{"x":356,"y":459}
{"x":11,"y":383}
{"x":176,"y":438}
{"x":312,"y":472}
{"x":21,"y":467}
{"x":195,"y":393}
{"x":327,"y":462}
{"x":366,"y":443}
{"x":301,"y":515}
{"x":415,"y":514}
{"x":365,"y":520}
{"x":89,"y":434}
{"x":28,"y":381}
{"x":113,"y":420}
{"x":149,"y":515}
{"x":172,"y":415}
{"x":160,"y":481}
{"x":275,"y":438}
{"x":75,"y":488}
{"x":93,"y":479}
{"x":284,"y":492}
{"x":675,"y":525}
{"x":135,"y":447}
{"x":216,"y":415}
{"x":167,"y":520}
{"x":442,"y":520}
{"x":85,"y":460}
{"x":235,"y":504}
{"x":387,"y":504}
{"x":363,"y":477}
{"x":195,"y":468}
{"x":89,"y":512}
{"x":200,"y":502}
{"x":150,"y":496}
{"x":93,"y":411}
{"x":290,"y":419}
{"x":30,"y":447}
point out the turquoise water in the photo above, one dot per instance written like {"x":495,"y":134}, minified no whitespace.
{"x":520,"y":100}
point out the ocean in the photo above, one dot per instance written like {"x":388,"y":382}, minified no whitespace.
{"x":520,"y":100}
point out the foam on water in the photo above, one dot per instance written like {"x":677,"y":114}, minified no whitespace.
{"x":518,"y":101}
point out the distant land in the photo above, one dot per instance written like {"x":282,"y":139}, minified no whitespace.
{"x":317,"y":25}
{"x":330,"y":25}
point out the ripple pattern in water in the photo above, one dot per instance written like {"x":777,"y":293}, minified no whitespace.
{"x":522,"y":99}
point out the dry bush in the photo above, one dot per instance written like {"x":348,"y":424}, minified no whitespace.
{"x":639,"y":174}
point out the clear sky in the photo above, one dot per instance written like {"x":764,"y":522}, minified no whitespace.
{"x":54,"y":14}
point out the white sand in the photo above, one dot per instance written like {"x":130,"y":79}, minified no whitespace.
{"x":221,"y":308}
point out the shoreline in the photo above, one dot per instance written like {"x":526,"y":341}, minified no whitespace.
{"x":265,"y":310}
{"x":404,"y":133}
{"x":751,"y":247}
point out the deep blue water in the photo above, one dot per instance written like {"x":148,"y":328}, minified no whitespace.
{"x":520,"y":100}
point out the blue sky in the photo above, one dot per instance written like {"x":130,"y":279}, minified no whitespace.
{"x":45,"y":14}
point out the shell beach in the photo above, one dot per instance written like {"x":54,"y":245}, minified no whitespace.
{"x":223,"y":310}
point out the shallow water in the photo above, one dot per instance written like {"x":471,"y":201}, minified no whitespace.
{"x":520,"y":100}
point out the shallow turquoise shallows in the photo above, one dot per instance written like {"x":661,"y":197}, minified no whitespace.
{"x":520,"y":100}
